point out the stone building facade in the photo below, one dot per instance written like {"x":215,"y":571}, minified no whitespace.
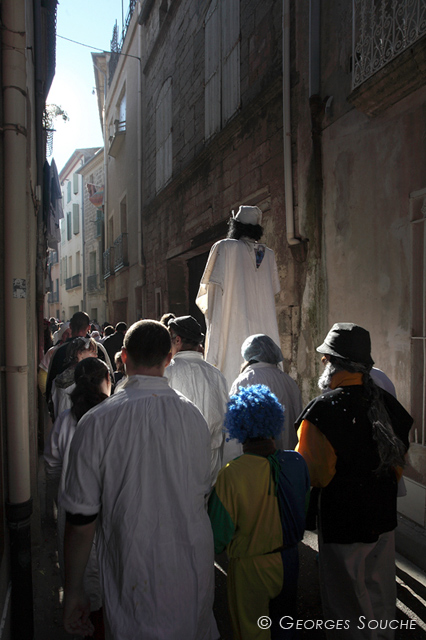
{"x":297,"y":108}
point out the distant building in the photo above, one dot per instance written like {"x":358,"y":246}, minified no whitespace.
{"x":94,"y":298}
{"x":72,"y":266}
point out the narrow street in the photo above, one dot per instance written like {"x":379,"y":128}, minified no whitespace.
{"x":411,"y":586}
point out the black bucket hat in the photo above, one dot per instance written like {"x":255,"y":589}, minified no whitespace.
{"x":348,"y":341}
{"x":187,"y":327}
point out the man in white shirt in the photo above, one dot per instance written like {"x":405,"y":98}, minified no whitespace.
{"x":199,"y":381}
{"x":139,"y":472}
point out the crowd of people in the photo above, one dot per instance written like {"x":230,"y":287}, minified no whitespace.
{"x":198,"y":444}
{"x":170,"y":468}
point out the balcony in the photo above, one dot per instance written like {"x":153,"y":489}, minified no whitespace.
{"x":108,"y":261}
{"x":116,"y":46}
{"x":117,"y":138}
{"x":120,"y":252}
{"x":53,"y":297}
{"x":74,"y":282}
{"x":389,"y":52}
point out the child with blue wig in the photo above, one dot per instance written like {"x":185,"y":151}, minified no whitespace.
{"x":257,"y":511}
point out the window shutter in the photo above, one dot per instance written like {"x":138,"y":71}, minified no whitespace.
{"x":76,"y":218}
{"x":212,"y":93}
{"x":75,"y":182}
{"x":230,"y":58}
{"x":69,"y":230}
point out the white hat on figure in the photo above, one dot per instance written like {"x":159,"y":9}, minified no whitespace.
{"x":247,"y":214}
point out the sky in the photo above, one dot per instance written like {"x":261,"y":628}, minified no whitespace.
{"x":90,"y":22}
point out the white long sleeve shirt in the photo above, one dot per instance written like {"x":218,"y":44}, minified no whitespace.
{"x":206,"y":387}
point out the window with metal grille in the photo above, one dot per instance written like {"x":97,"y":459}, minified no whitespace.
{"x":382,"y":29}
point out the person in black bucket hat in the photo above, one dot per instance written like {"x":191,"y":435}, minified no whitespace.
{"x":199,"y":381}
{"x":353,"y":438}
{"x":349,"y":342}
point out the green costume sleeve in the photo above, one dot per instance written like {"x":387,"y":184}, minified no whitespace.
{"x":223,"y":527}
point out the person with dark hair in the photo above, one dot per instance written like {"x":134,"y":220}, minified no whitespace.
{"x":257,"y":511}
{"x":77,"y":350}
{"x":261,"y":359}
{"x":199,"y":381}
{"x":139,"y":472}
{"x":119,"y":371}
{"x":92,"y":386}
{"x":166,"y":317}
{"x":354,"y":437}
{"x":108,"y":331}
{"x":237,"y":292}
{"x":114,"y":342}
{"x":79,"y":325}
{"x":59,"y":338}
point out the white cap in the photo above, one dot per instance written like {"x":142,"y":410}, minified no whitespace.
{"x":248,"y":215}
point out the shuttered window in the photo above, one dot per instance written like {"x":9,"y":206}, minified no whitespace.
{"x":69,"y":229}
{"x":75,"y":182}
{"x":212,"y":92}
{"x":222,"y":64}
{"x":76,"y":218}
{"x":163,"y":124}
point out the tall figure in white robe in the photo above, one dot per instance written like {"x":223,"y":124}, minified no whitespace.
{"x":237,"y":292}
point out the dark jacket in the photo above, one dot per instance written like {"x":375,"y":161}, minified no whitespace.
{"x":358,"y":504}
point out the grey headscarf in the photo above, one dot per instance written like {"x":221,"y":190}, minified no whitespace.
{"x":261,"y":348}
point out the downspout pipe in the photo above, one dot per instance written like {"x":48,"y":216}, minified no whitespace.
{"x":104,"y":133}
{"x":288,"y":169}
{"x":16,"y":199}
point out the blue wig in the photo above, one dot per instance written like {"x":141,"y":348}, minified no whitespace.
{"x":254,"y":412}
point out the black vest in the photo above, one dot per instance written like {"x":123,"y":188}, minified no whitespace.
{"x":358,"y":504}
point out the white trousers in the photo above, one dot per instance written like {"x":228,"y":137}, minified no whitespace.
{"x":358,"y":586}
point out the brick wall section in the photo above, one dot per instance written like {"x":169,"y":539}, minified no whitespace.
{"x":243,"y":163}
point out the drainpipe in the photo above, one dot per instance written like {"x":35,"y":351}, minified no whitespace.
{"x":141,"y":254}
{"x":316,"y":105}
{"x":19,"y":507}
{"x":104,"y":132}
{"x":288,"y":169}
{"x":83,"y":240}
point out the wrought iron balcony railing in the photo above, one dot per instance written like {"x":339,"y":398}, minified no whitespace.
{"x":52,"y":297}
{"x":120,"y":251}
{"x":115,"y":46}
{"x":108,"y":262}
{"x":73,"y":282}
{"x":382,"y":29}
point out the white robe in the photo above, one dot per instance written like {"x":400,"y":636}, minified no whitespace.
{"x":238,"y":300}
{"x":56,"y":454}
{"x":288,"y":394}
{"x":206,"y":387}
{"x":141,"y":461}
